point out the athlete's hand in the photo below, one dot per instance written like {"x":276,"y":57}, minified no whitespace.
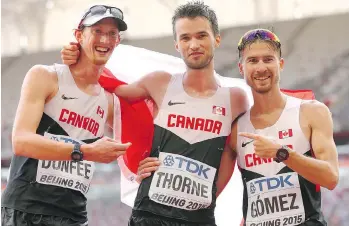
{"x":264,"y":147}
{"x":146,"y":167}
{"x":70,"y":53}
{"x":104,"y":150}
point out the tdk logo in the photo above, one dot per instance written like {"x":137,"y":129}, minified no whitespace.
{"x":252,"y":188}
{"x":64,"y":139}
{"x":274,"y":182}
{"x":192,"y":167}
{"x":168,"y":161}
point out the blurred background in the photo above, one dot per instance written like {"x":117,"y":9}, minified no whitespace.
{"x":314,"y":36}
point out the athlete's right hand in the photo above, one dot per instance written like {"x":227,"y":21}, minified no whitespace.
{"x":104,"y":150}
{"x":146,"y":167}
{"x":70,"y":53}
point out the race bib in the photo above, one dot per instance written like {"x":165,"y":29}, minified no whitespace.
{"x":66,"y":174}
{"x":182,"y":182}
{"x":275,"y":201}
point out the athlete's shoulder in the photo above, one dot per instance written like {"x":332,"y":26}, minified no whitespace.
{"x":239,"y":100}
{"x":44,"y":71}
{"x":40,"y":81}
{"x":237,"y":92}
{"x":314,"y":109}
{"x":45,"y":74}
{"x":313,"y":106}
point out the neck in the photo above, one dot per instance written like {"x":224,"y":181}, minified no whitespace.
{"x":265,"y":103}
{"x":200,"y":79}
{"x":86,"y":73}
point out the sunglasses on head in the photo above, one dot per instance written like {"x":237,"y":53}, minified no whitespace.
{"x":102,"y":9}
{"x":262,"y":34}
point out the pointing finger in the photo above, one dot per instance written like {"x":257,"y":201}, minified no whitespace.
{"x":249,"y":135}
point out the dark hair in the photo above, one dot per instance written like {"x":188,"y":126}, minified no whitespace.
{"x":195,"y":9}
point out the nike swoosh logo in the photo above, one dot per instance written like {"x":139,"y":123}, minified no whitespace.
{"x":246,"y":143}
{"x":170,"y":103}
{"x":68,"y":98}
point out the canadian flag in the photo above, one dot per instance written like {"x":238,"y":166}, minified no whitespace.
{"x":285,"y":133}
{"x":100,"y":112}
{"x":218,"y":110}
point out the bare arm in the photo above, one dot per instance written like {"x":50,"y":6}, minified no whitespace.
{"x":239,"y":105}
{"x":152,"y":85}
{"x":324,"y":169}
{"x":40,"y":84}
{"x":227,"y":165}
{"x":110,"y":118}
{"x":148,"y":86}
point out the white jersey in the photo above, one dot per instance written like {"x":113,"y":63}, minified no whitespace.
{"x":71,"y":116}
{"x":189,"y":138}
{"x":273,"y":193}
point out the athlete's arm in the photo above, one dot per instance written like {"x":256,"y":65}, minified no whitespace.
{"x":146,"y":87}
{"x":139,"y":90}
{"x":226,"y":168}
{"x":239,"y":105}
{"x":227,"y":165}
{"x":323,"y":169}
{"x":39,"y":86}
{"x":111,"y":109}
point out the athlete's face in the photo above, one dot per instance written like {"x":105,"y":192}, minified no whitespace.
{"x":195,"y":41}
{"x":261,"y":65}
{"x":98,"y":41}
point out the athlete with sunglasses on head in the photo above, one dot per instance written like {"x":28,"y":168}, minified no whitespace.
{"x":292,"y":152}
{"x":283,"y":145}
{"x":58,"y":130}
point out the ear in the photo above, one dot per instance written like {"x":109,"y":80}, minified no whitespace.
{"x":176,"y":45}
{"x":118,"y":40}
{"x":241,"y":69}
{"x":217,"y":41}
{"x":282,"y":63}
{"x":78,"y":36}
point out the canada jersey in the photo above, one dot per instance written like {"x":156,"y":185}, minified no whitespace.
{"x":273,"y":193}
{"x":189,"y":137}
{"x":59,"y":187}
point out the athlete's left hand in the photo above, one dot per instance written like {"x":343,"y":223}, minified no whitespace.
{"x":264,"y":147}
{"x":146,"y":167}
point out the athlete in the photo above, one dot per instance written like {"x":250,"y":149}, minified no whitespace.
{"x":285,"y":145}
{"x":58,"y":130}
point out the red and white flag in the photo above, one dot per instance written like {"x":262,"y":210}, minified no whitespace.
{"x":285,"y":134}
{"x":218,"y":110}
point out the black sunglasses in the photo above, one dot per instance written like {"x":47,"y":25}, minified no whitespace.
{"x":102,"y":9}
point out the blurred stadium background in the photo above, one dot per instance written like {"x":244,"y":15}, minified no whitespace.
{"x":314,"y":35}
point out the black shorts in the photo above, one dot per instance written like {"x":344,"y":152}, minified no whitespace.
{"x":12,"y":217}
{"x":142,"y":218}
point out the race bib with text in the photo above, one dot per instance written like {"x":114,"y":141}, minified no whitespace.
{"x":66,"y":174}
{"x":182,"y":182}
{"x":275,"y":201}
